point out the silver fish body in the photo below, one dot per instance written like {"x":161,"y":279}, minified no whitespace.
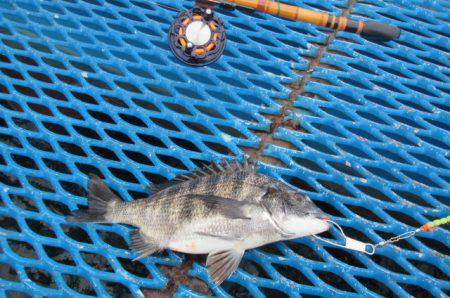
{"x":221,"y":211}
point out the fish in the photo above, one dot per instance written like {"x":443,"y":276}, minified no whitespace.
{"x":220,"y":210}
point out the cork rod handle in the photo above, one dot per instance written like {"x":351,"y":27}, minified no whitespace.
{"x":296,"y":13}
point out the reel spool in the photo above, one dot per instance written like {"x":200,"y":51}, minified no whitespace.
{"x":197,"y":36}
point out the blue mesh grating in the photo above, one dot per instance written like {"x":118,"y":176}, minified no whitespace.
{"x":362,"y":127}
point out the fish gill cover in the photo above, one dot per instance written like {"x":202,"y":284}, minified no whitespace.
{"x":362,"y":127}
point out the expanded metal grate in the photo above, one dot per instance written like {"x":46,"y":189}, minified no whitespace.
{"x":90,"y":86}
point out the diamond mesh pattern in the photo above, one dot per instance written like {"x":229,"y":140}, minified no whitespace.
{"x":90,"y":86}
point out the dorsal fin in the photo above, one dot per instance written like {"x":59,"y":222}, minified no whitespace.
{"x":213,"y":168}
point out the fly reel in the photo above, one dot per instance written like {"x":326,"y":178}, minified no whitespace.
{"x":197,"y":36}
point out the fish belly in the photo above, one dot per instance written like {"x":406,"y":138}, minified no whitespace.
{"x":206,"y":235}
{"x":219,"y":234}
{"x":202,"y":245}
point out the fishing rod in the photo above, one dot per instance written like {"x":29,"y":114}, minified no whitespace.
{"x":197,"y":36}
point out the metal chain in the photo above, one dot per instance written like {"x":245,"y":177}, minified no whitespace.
{"x":369,"y":247}
{"x":398,"y":237}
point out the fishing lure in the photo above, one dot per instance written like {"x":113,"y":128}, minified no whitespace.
{"x":370,"y":248}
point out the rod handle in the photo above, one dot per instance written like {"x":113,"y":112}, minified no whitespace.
{"x":380,"y":30}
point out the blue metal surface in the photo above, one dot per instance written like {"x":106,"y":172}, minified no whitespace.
{"x":91,"y":86}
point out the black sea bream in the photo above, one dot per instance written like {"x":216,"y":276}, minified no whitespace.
{"x":221,"y":211}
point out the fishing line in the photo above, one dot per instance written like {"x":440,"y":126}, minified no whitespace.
{"x":165,"y":6}
{"x":370,"y":248}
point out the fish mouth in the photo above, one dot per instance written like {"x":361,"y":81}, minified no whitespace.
{"x":325,"y":221}
{"x":324,"y":217}
{"x":320,"y":215}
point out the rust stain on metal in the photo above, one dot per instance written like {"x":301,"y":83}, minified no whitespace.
{"x":179,"y":276}
{"x":297,"y":87}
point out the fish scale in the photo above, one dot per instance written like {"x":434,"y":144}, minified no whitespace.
{"x":221,"y":211}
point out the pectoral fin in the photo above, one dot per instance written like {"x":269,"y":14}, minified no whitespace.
{"x":222,"y":264}
{"x":143,"y":244}
{"x":227,"y":207}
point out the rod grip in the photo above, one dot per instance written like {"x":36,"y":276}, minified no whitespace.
{"x":380,"y":30}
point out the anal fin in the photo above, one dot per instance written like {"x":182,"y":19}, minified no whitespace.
{"x":222,"y":264}
{"x":143,"y":244}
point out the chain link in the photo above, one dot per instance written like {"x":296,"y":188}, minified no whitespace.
{"x":398,"y":238}
{"x":370,"y":248}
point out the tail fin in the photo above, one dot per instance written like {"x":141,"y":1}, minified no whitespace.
{"x":101,"y":199}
